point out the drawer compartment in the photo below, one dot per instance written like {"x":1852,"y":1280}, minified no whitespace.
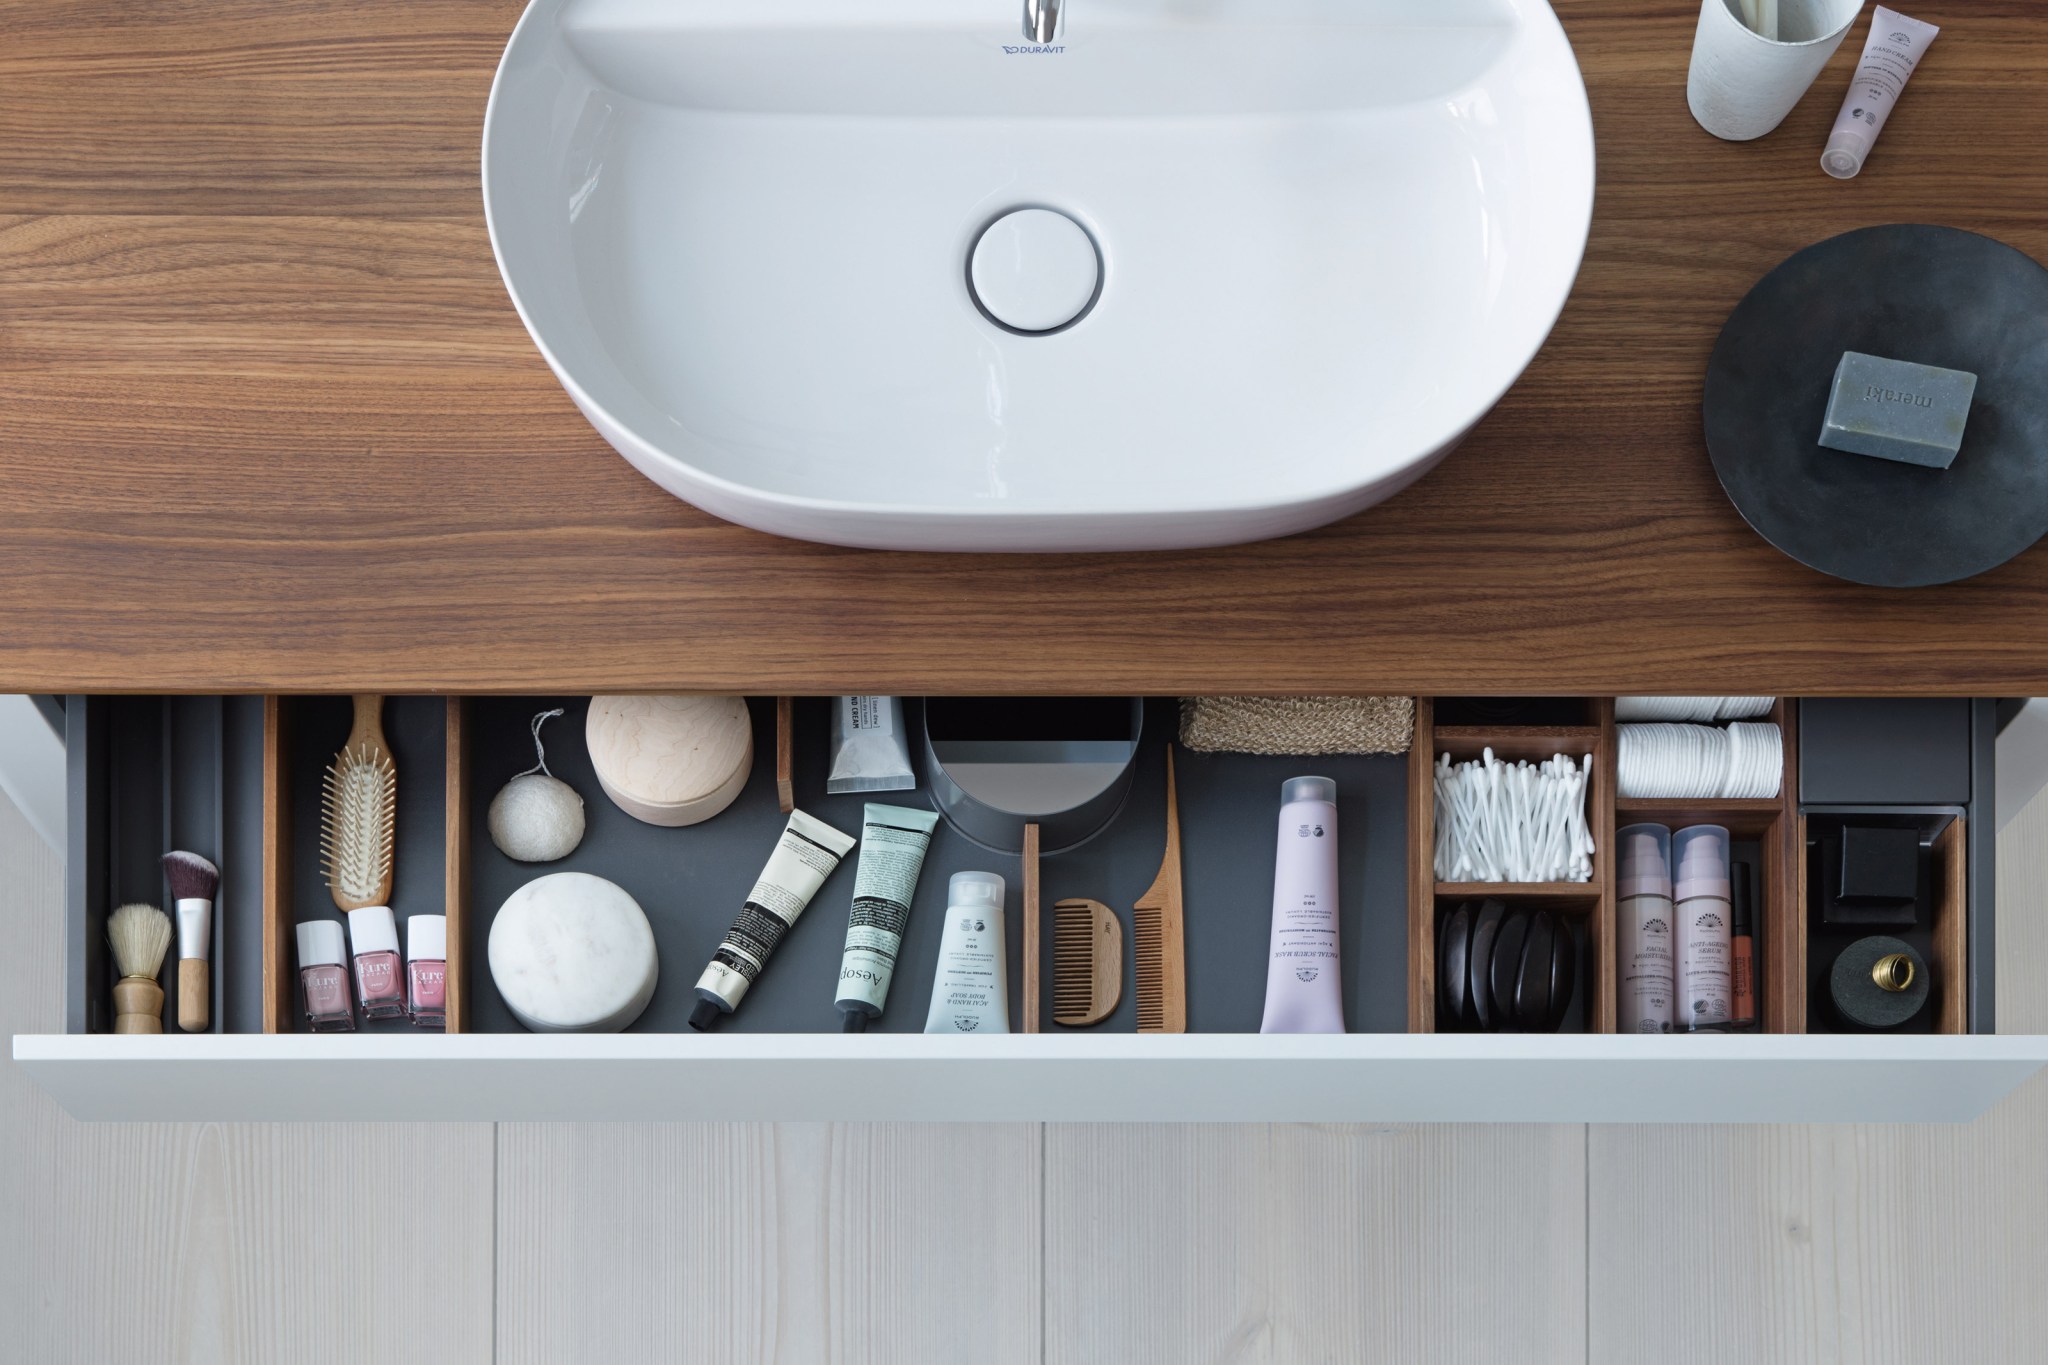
{"x":242,"y":776}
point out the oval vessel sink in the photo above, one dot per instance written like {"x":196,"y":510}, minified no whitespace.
{"x":748,"y":236}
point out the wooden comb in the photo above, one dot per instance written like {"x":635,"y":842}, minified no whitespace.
{"x":1157,"y":940}
{"x":1087,"y":962}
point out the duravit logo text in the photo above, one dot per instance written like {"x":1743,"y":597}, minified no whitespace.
{"x":1034,"y":49}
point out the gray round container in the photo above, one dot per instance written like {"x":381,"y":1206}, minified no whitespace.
{"x":997,"y":764}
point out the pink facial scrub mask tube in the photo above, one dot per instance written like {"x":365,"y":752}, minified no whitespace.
{"x":1304,"y":989}
{"x":1890,"y":58}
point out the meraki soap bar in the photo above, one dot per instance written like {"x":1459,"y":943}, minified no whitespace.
{"x":1897,"y":410}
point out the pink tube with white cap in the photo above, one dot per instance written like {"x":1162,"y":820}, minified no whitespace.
{"x":1304,"y":992}
{"x":1890,"y":57}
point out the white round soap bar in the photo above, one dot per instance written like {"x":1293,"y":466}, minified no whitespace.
{"x":536,"y":818}
{"x":670,"y":760}
{"x":573,"y":953}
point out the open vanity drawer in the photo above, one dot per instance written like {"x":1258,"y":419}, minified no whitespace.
{"x":239,"y":778}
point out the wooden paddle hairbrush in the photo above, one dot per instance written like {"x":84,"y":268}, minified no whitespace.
{"x":1157,"y":940}
{"x":359,"y":813}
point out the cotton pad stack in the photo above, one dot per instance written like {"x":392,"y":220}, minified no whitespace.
{"x":1513,"y":822}
{"x":1705,"y":710}
{"x":1744,"y":761}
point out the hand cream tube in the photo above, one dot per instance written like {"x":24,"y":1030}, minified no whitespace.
{"x":804,"y":856}
{"x":1304,"y":992}
{"x":870,"y":749}
{"x":1890,"y":57}
{"x":972,"y":993}
{"x":893,"y":840}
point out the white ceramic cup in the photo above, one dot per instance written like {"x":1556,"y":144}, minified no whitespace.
{"x":1743,"y":84}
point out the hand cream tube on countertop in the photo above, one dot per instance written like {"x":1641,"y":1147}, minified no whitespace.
{"x":804,"y":856}
{"x":972,"y":993}
{"x":1304,"y":992}
{"x":893,"y":841}
{"x":1890,"y":57}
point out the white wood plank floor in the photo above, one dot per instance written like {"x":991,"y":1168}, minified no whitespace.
{"x":219,"y":1244}
{"x":1840,"y":1244}
{"x":1082,"y":1244}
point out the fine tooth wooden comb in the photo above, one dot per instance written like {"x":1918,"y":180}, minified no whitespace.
{"x":1159,"y":946}
{"x":359,"y":813}
{"x":1087,"y":962}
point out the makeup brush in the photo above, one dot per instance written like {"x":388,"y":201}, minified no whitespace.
{"x":194,"y":881}
{"x":358,"y":813}
{"x":140,"y":935}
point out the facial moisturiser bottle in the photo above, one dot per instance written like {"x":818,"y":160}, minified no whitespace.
{"x":1644,"y":921}
{"x":972,"y":993}
{"x":1304,"y":990}
{"x":1705,"y":956}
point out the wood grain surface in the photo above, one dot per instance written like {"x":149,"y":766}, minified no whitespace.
{"x":1849,"y":1244}
{"x":1281,"y":1243}
{"x":220,"y":1243}
{"x":769,"y":1244}
{"x":270,"y":421}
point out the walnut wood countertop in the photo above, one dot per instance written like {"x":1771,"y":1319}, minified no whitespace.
{"x":268,"y":421}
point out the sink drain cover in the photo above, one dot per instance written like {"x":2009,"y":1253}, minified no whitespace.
{"x":1035,"y":270}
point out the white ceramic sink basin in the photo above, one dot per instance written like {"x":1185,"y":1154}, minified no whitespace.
{"x":1328,"y":235}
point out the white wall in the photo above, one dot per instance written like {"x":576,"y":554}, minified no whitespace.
{"x":32,"y":767}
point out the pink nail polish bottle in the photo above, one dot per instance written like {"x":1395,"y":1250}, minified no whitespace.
{"x":380,"y":982}
{"x":323,"y":977}
{"x":426,"y":954}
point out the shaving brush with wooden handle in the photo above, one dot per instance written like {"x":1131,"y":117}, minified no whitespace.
{"x":139,"y":935}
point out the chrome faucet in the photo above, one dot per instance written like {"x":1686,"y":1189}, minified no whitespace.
{"x":1041,"y":20}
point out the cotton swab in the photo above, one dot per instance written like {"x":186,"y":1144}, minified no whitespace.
{"x":1512,"y":822}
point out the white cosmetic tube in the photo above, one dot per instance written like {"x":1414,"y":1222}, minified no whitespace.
{"x":972,"y":993}
{"x":893,"y":841}
{"x":870,"y":751}
{"x":1304,"y":989}
{"x":1890,"y":57}
{"x":804,"y":856}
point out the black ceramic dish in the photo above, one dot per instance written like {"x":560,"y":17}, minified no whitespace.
{"x":1454,"y":940}
{"x":1505,"y":968}
{"x":1564,"y":971}
{"x":1532,"y":982}
{"x":1479,"y":987}
{"x":1934,"y":295}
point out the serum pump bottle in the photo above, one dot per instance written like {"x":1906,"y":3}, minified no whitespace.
{"x":1644,"y":919}
{"x":1705,"y":953}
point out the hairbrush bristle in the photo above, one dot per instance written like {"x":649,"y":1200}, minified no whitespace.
{"x":192,"y":877}
{"x":140,"y":936}
{"x":358,"y":822}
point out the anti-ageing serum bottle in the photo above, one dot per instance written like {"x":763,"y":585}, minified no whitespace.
{"x":1705,"y":957}
{"x":1644,"y":916}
